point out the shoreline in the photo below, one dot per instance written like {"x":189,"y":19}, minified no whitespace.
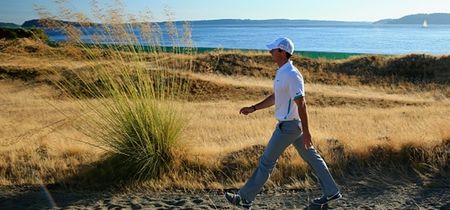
{"x":201,"y":50}
{"x":309,"y":54}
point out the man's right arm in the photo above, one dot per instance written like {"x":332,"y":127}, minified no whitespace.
{"x":268,"y":102}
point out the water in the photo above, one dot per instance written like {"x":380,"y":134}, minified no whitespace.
{"x":322,"y":37}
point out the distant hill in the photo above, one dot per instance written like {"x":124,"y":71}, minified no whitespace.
{"x":32,"y":23}
{"x":8,"y":25}
{"x":435,"y":18}
{"x":38,"y":22}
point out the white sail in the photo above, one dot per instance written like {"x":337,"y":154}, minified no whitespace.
{"x":425,"y":24}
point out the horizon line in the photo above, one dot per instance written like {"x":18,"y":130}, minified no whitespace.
{"x":249,"y":19}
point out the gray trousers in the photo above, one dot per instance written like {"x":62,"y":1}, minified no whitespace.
{"x":285,"y":134}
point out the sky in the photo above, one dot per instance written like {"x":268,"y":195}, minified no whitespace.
{"x":18,"y":11}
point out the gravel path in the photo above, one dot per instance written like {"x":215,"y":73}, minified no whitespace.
{"x":355,"y":197}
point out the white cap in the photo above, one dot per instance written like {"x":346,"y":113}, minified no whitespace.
{"x":282,"y":43}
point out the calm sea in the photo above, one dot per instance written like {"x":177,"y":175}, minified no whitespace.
{"x":343,"y":37}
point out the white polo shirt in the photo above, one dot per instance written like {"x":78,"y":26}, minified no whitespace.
{"x":288,"y":86}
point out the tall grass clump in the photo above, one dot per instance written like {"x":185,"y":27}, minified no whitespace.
{"x":128,"y":89}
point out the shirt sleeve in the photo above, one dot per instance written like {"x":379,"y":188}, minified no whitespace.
{"x":296,"y":85}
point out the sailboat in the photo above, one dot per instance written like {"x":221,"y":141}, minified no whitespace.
{"x":425,"y":24}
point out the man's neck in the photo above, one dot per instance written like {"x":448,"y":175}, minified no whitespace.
{"x":282,"y":62}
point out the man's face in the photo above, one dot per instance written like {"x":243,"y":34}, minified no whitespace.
{"x":277,"y":54}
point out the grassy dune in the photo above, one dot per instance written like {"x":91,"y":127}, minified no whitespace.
{"x":370,"y":116}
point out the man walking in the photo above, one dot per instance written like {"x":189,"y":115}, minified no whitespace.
{"x":292,"y":128}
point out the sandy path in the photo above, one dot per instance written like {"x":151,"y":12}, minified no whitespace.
{"x":355,"y":197}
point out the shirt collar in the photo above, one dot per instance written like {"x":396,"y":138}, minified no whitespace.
{"x":285,"y":66}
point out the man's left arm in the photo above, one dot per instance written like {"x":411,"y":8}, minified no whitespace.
{"x":303,"y":114}
{"x":297,"y":92}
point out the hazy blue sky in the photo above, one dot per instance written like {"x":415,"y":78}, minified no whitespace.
{"x":17,"y":11}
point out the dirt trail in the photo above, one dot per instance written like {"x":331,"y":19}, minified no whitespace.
{"x":358,"y":196}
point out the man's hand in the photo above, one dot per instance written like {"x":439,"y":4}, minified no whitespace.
{"x":307,"y":142}
{"x":247,"y":110}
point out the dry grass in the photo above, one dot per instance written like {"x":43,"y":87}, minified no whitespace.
{"x":220,"y":129}
{"x":217,"y":136}
{"x":39,"y":143}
